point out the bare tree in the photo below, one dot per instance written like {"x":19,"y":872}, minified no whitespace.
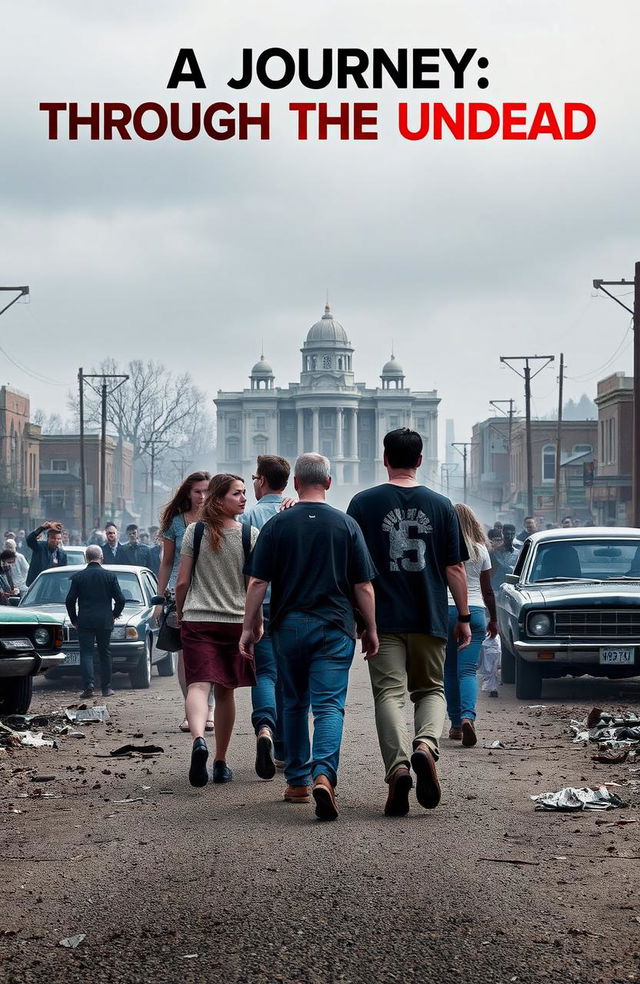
{"x":52,"y":423}
{"x":152,"y":406}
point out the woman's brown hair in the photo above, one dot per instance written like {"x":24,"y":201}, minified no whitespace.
{"x":212,"y":513}
{"x":471,"y":529}
{"x":181,"y":502}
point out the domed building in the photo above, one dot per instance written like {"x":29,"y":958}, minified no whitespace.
{"x":327,"y":411}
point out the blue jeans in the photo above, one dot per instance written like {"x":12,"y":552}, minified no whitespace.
{"x":266,"y":696}
{"x":314,"y":659}
{"x":460,"y":667}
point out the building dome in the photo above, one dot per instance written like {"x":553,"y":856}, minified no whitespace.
{"x":392,"y":367}
{"x":262,"y":368}
{"x":327,"y":330}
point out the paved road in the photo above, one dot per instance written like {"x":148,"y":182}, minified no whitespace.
{"x":232,"y":884}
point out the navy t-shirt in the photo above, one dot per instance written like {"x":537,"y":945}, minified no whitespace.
{"x":413,"y":535}
{"x":312,"y":554}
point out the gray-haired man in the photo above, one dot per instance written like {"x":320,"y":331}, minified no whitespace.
{"x":317,"y":563}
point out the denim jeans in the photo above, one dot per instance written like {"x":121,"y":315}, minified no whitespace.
{"x":314,"y":659}
{"x":460,"y":667}
{"x":86,"y":638}
{"x":266,"y":696}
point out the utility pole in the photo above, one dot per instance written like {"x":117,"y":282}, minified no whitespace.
{"x":103,"y":392}
{"x":635,"y":313}
{"x":464,"y":445}
{"x":559,"y":437}
{"x":510,"y":414}
{"x":527,"y":375}
{"x":83,"y":473}
{"x":22,"y":292}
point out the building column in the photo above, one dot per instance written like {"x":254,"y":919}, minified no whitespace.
{"x":300,"y":431}
{"x":316,"y":430}
{"x":355,"y":452}
{"x":244,"y":431}
{"x":339,"y":419}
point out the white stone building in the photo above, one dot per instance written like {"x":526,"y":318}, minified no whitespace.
{"x":327,"y":411}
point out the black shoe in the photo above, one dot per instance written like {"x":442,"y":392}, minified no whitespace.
{"x":427,"y":785}
{"x":221,"y":772}
{"x":108,"y":692}
{"x":86,"y":693}
{"x":265,"y":765}
{"x":198,"y":775}
{"x":400,"y":784}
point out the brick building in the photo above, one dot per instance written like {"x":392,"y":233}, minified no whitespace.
{"x":612,"y":480}
{"x":19,"y":461}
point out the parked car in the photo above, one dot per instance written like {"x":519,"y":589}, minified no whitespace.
{"x":30,"y":642}
{"x":571,"y":606}
{"x":133,"y":640}
{"x":75,"y":555}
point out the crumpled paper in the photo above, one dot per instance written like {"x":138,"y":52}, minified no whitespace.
{"x":573,"y":799}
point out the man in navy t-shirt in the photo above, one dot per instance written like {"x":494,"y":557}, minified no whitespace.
{"x":318,"y":565}
{"x":415,"y":542}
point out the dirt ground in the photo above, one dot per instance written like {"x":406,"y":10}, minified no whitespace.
{"x":229,"y":883}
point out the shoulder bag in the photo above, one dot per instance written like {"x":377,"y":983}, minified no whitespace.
{"x":169,"y":640}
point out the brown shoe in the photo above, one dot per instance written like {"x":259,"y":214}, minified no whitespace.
{"x":297,"y":794}
{"x":455,"y":733}
{"x":325,"y":797}
{"x":427,"y":786}
{"x":469,"y":736}
{"x":400,"y":783}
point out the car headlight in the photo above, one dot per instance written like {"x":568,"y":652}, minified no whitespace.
{"x":131,"y":632}
{"x":540,"y":624}
{"x":42,"y":637}
{"x":117,"y":634}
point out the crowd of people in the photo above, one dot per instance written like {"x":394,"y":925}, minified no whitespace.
{"x":273,"y":596}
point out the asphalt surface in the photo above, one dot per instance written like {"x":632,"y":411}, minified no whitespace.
{"x":229,"y":883}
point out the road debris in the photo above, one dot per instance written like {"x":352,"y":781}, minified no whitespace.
{"x":134,"y":751}
{"x":88,"y":715}
{"x":73,"y":941}
{"x":574,"y":799}
{"x":510,"y":861}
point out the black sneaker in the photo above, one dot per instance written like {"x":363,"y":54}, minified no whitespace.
{"x":198,"y":775}
{"x":87,"y":693}
{"x":265,"y":765}
{"x":221,"y":772}
{"x":427,"y":785}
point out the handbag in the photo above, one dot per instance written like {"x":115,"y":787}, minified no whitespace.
{"x":169,"y":639}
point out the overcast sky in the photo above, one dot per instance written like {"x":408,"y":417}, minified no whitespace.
{"x":191,"y":253}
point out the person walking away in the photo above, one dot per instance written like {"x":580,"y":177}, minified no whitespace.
{"x":416,"y":543}
{"x":316,"y":560}
{"x":94,"y":601}
{"x":184,"y":508}
{"x":20,"y":566}
{"x":269,"y":483}
{"x":45,"y":553}
{"x":460,"y":667}
{"x":210,"y":595}
{"x":134,"y":553}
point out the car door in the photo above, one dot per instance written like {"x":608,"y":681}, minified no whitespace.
{"x":150,"y":587}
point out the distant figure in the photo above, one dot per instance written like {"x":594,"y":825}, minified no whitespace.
{"x":45,"y":553}
{"x":20,"y":567}
{"x":111,"y":550}
{"x":503,"y":556}
{"x":134,"y":553}
{"x":567,"y":522}
{"x":8,"y":588}
{"x":530,"y":526}
{"x":93,"y":590}
{"x":155,"y":555}
{"x":21,"y":543}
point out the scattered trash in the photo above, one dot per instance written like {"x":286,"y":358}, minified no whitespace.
{"x":489,"y":666}
{"x":68,"y":731}
{"x":573,"y":799}
{"x":32,"y":740}
{"x":497,"y":744}
{"x":137,"y":799}
{"x":537,"y":707}
{"x":24,"y":722}
{"x":610,"y":755}
{"x":188,"y":956}
{"x":73,"y":941}
{"x":133,"y":750}
{"x":39,"y":778}
{"x":88,"y":715}
{"x":509,"y":861}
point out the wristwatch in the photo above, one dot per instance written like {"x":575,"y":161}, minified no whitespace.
{"x":464,"y":618}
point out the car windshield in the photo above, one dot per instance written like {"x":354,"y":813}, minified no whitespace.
{"x":52,"y":589}
{"x":594,"y":559}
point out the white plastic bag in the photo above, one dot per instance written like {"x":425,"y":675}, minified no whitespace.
{"x":489,"y":669}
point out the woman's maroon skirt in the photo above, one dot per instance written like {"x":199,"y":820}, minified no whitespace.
{"x":211,"y":654}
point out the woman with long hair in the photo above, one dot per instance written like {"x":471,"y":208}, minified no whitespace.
{"x":210,"y":598}
{"x":184,"y":508}
{"x":460,"y":667}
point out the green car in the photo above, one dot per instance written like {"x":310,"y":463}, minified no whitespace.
{"x":30,"y":642}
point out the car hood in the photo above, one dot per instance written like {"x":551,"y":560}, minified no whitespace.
{"x":17,"y":616}
{"x":575,"y":593}
{"x":58,"y":613}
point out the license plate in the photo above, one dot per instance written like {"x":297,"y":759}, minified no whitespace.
{"x":73,"y":659}
{"x":11,"y":644}
{"x":617,"y":657}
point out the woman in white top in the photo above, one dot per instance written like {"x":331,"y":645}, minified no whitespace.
{"x":460,"y":667}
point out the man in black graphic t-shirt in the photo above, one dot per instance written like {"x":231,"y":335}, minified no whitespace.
{"x":416,"y":545}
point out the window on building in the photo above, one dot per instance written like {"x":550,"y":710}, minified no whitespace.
{"x":59,"y":465}
{"x":326,"y":362}
{"x":261,"y":422}
{"x":326,"y":419}
{"x":582,"y":449}
{"x":394,"y":421}
{"x":53,"y":499}
{"x":549,"y":463}
{"x":233,"y":425}
{"x":261,"y":445}
{"x":420,"y":423}
{"x":233,"y":450}
{"x":340,"y":362}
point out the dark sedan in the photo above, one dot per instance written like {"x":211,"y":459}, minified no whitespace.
{"x":133,"y":640}
{"x":571,"y":607}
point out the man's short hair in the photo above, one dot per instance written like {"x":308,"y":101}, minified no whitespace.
{"x":53,"y":532}
{"x":529,"y":517}
{"x":274,"y":470}
{"x":494,"y":534}
{"x":312,"y":469}
{"x":508,"y":528}
{"x":93,"y":553}
{"x":403,"y":448}
{"x":7,"y":555}
{"x":107,"y":526}
{"x":131,"y":527}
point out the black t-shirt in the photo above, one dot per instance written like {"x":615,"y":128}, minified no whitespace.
{"x":413,"y":535}
{"x":312,"y":554}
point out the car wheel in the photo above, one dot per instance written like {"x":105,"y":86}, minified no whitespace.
{"x":15,"y":695}
{"x":168,"y":665}
{"x":528,"y":680}
{"x":507,"y":663}
{"x":141,"y":676}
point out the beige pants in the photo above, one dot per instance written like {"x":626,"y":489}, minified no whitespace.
{"x":413,"y":663}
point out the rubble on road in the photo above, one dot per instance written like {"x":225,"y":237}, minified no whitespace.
{"x":573,"y":799}
{"x":18,"y":730}
{"x":608,"y":731}
{"x":88,"y":715}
